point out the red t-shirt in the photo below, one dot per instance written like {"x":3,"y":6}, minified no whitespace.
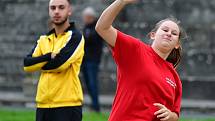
{"x":143,"y":78}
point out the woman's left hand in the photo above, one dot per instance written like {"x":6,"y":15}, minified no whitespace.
{"x":164,"y":114}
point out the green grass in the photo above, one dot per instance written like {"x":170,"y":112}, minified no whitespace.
{"x":16,"y":115}
{"x":193,"y":119}
{"x":95,"y":117}
{"x":29,"y":115}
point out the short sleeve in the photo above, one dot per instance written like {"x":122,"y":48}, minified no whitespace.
{"x":177,"y":103}
{"x":125,"y":47}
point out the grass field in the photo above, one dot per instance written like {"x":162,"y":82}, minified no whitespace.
{"x":28,"y":115}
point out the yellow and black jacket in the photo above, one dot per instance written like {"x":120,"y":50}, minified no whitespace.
{"x":59,"y":84}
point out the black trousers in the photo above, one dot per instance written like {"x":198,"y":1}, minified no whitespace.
{"x":59,"y":114}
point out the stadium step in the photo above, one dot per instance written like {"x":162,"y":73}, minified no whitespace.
{"x":19,"y":99}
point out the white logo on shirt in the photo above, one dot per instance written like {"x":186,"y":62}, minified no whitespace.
{"x":169,"y":81}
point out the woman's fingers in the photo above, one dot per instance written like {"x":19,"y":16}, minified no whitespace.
{"x":159,"y":105}
{"x":160,"y":111}
{"x":165,"y":118}
{"x":163,"y":113}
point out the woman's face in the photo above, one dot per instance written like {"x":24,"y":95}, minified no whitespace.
{"x":166,"y":37}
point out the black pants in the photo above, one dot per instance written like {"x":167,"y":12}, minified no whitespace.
{"x":59,"y":114}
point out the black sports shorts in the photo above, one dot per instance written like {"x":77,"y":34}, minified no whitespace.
{"x":59,"y":114}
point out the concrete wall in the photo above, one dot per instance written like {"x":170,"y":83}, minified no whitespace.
{"x":22,"y":21}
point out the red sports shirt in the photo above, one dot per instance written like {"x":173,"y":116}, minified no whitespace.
{"x":143,"y":78}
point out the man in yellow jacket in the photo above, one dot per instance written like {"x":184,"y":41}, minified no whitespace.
{"x":58,"y":55}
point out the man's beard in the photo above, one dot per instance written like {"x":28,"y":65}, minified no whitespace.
{"x":60,"y":23}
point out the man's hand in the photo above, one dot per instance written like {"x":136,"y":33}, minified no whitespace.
{"x":164,"y":114}
{"x":53,"y":55}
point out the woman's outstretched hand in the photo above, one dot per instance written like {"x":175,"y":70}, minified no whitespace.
{"x":128,"y":1}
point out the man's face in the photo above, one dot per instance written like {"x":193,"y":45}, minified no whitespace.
{"x":59,"y":11}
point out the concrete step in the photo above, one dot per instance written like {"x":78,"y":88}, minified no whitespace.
{"x":19,"y":99}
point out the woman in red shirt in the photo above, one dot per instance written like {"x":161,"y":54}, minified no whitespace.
{"x":148,"y":87}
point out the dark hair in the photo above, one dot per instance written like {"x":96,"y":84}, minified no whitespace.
{"x":176,"y":54}
{"x":69,"y":1}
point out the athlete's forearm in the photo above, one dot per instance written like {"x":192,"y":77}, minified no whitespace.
{"x":106,"y":19}
{"x":32,"y":64}
{"x":29,"y":60}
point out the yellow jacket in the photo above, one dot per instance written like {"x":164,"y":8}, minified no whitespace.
{"x":59,"y":84}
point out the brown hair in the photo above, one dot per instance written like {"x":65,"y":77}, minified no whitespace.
{"x":176,"y":54}
{"x":69,"y":1}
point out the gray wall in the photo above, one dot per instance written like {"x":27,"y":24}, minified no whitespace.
{"x":22,"y":21}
